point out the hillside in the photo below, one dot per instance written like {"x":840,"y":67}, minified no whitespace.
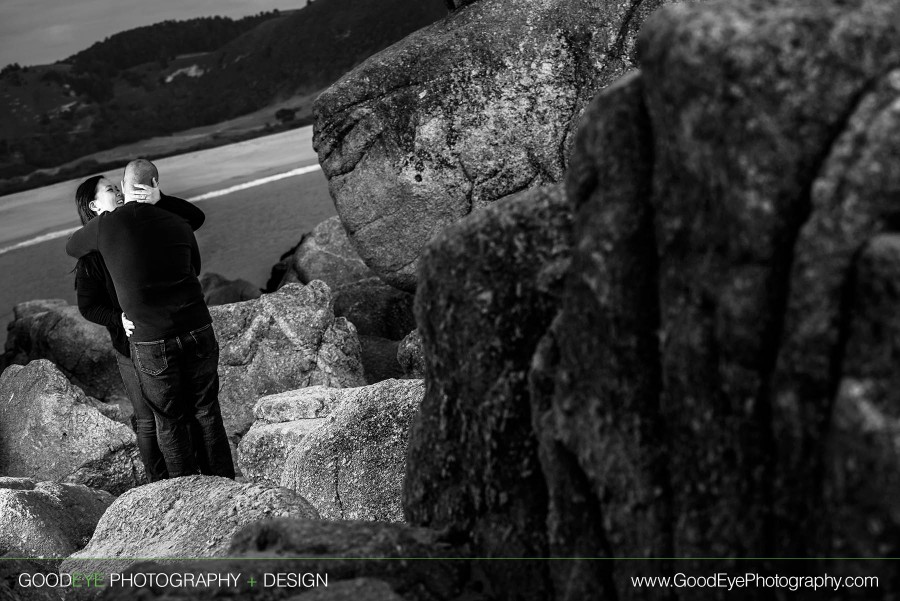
{"x":174,"y":76}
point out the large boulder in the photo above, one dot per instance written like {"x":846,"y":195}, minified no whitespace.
{"x":352,"y":467}
{"x":54,"y":330}
{"x":219,"y":290}
{"x":326,"y":254}
{"x":49,"y":430}
{"x":345,"y":551}
{"x":282,"y":421}
{"x":468,"y":110}
{"x":192,"y":516}
{"x":862,"y":477}
{"x":48,"y":519}
{"x":284,"y":340}
{"x":684,"y":396}
{"x":489,"y":288}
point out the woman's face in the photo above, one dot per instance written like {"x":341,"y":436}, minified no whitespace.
{"x":108,"y":197}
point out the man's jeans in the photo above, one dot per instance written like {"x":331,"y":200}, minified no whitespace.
{"x":180,"y":381}
{"x":145,"y":423}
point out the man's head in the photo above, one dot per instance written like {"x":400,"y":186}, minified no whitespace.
{"x":139,"y":171}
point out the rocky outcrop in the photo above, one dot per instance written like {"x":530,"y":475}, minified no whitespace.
{"x":332,"y":548}
{"x":192,"y":516}
{"x":466,"y":111}
{"x":352,"y":466}
{"x":862,"y":464}
{"x":219,"y":290}
{"x":285,"y":340}
{"x":712,"y":376}
{"x":49,"y":430}
{"x":47,"y":519}
{"x":489,"y":289}
{"x":411,"y":357}
{"x":325,"y":254}
{"x":56,"y":331}
{"x":282,"y":421}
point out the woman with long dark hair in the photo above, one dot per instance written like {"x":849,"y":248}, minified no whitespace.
{"x":97,"y":302}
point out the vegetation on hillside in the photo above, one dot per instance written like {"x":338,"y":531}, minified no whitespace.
{"x":177,"y":75}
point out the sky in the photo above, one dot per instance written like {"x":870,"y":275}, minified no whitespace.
{"x":37,"y":32}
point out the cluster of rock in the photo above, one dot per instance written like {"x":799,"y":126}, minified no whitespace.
{"x":667,"y":332}
{"x":381,"y":314}
{"x":284,"y":340}
{"x":344,"y":450}
{"x":50,"y":430}
{"x":54,"y":330}
{"x":709,"y":372}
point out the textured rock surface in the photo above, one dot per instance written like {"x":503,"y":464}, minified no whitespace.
{"x":410,"y":356}
{"x":219,"y":290}
{"x":683,"y":395}
{"x":11,"y":569}
{"x":489,"y":288}
{"x":56,"y":331}
{"x":318,"y":546}
{"x":282,"y":341}
{"x":326,"y":254}
{"x":863,"y":461}
{"x":264,"y":449}
{"x":375,"y":308}
{"x":303,"y":403}
{"x":50,"y":431}
{"x":192,"y":516}
{"x":353,"y":466}
{"x":461,"y":113}
{"x":282,"y":421}
{"x":48,"y":519}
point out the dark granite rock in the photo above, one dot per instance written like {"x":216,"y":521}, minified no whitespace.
{"x":332,"y":548}
{"x":379,"y":359}
{"x":488,"y":290}
{"x":375,"y":308}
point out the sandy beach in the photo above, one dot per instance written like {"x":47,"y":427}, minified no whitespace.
{"x":245,"y":232}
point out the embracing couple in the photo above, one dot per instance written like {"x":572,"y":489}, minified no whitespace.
{"x":137,"y":274}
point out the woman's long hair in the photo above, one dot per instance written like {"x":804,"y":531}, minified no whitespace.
{"x":86,"y":193}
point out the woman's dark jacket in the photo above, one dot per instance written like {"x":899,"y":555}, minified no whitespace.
{"x":97,"y":299}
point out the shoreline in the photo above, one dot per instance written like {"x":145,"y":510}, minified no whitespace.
{"x":40,"y":211}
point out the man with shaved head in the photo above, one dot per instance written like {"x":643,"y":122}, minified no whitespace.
{"x":154,"y":262}
{"x":140,"y":171}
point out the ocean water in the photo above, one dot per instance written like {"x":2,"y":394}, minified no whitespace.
{"x":244,"y":235}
